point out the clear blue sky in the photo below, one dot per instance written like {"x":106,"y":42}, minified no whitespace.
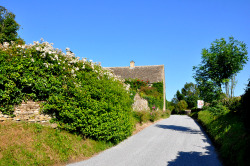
{"x":150,"y":32}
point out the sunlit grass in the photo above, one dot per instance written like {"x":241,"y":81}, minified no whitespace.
{"x":34,"y":144}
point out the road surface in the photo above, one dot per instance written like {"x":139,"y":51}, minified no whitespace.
{"x":176,"y":141}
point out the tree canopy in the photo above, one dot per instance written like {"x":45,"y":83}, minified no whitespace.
{"x":189,"y":93}
{"x":219,"y":64}
{"x":8,"y":27}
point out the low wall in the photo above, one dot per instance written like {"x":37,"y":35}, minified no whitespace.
{"x":27,"y":111}
{"x":140,"y":104}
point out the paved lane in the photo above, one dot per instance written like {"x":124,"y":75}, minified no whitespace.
{"x":177,"y":140}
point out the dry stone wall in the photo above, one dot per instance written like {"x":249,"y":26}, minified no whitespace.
{"x":140,"y":104}
{"x":27,"y":111}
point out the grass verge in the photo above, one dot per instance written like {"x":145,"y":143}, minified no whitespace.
{"x":27,"y":144}
{"x":33,"y":144}
{"x":229,"y":135}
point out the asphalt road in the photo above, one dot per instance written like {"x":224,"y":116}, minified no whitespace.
{"x":177,"y":141}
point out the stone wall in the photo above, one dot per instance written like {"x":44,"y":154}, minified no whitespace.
{"x":140,"y":104}
{"x":27,"y":111}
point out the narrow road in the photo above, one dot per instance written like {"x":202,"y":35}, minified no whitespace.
{"x":177,"y":141}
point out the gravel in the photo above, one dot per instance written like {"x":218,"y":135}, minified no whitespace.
{"x":177,"y":140}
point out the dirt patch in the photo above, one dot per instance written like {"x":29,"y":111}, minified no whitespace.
{"x":139,"y":127}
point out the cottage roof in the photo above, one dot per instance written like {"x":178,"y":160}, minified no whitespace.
{"x":146,"y":73}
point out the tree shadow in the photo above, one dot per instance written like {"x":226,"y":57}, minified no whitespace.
{"x":196,"y":158}
{"x":179,"y":128}
{"x":207,"y":158}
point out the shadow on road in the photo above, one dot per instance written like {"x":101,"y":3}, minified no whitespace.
{"x":179,"y":128}
{"x":193,"y":159}
{"x":196,"y":158}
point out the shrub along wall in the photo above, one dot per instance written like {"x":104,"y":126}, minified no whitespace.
{"x":80,"y":95}
{"x":153,"y":94}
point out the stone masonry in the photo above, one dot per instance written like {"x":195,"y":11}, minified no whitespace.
{"x":140,"y":104}
{"x":27,"y":111}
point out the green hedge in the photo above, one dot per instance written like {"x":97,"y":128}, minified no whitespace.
{"x":228,"y":132}
{"x":81,"y":96}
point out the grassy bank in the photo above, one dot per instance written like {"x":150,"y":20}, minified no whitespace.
{"x":33,"y":144}
{"x":230,"y":136}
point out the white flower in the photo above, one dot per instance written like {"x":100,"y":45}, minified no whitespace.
{"x":32,"y":60}
{"x":38,"y":48}
{"x":72,"y":71}
{"x":77,"y":68}
{"x":6,"y":44}
{"x":43,"y":55}
{"x":46,"y":65}
{"x":83,"y":67}
{"x":49,"y":52}
{"x":56,"y":56}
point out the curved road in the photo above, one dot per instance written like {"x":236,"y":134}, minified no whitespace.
{"x":177,"y":140}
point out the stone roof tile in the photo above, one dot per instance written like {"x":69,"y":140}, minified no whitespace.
{"x":146,"y":73}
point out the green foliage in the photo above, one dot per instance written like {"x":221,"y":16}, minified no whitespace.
{"x":217,"y":108}
{"x":154,"y":102}
{"x":181,"y":106}
{"x":145,"y":116}
{"x":154,"y":94}
{"x":82,"y":97}
{"x":8,"y":26}
{"x":230,"y":136}
{"x":246,"y":106}
{"x":191,"y":94}
{"x":219,"y":64}
{"x":233,"y":104}
{"x":136,"y":84}
{"x":170,"y":105}
{"x":158,"y":86}
{"x":141,"y":116}
{"x":179,"y":96}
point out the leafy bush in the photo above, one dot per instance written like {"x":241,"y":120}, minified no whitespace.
{"x":141,"y":116}
{"x":81,"y":96}
{"x":154,"y":102}
{"x":233,"y":104}
{"x":158,"y":86}
{"x":154,"y":94}
{"x":136,"y":84}
{"x":181,"y":106}
{"x":145,"y":116}
{"x":217,"y":108}
{"x":230,"y":136}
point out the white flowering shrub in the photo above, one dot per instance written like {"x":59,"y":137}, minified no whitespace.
{"x":80,"y":95}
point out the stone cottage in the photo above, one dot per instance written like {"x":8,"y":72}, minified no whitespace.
{"x":152,"y":74}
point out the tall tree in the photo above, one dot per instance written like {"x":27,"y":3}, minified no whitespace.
{"x":219,"y":63}
{"x":8,"y":27}
{"x":191,"y":94}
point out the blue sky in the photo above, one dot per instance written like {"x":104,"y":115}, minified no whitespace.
{"x":149,"y":32}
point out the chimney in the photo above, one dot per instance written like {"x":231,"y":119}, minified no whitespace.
{"x":132,"y":65}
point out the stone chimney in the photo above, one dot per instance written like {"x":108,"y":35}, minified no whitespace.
{"x":132,"y":65}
